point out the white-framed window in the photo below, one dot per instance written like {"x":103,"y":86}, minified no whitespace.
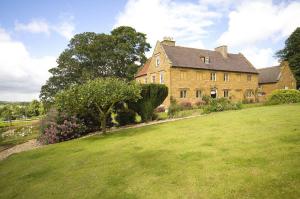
{"x":157,"y":61}
{"x":206,"y":60}
{"x":213,"y":76}
{"x":226,"y":93}
{"x":153,"y":78}
{"x":161,"y":79}
{"x":198,"y":93}
{"x":249,"y":77}
{"x":226,"y":77}
{"x":286,"y":87}
{"x":183,"y":93}
{"x":146,"y":80}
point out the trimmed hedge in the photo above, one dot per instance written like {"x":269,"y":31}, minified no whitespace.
{"x":153,"y":95}
{"x":284,"y":96}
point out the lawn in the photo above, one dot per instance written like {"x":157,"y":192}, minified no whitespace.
{"x":250,"y":153}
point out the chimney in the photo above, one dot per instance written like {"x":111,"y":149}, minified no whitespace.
{"x":168,"y":41}
{"x":222,"y":50}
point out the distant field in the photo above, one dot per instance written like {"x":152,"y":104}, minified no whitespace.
{"x":249,"y":153}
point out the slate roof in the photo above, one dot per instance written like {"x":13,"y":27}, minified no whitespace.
{"x":144,"y":69}
{"x":191,"y":58}
{"x":269,"y":75}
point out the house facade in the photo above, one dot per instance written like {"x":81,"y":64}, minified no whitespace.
{"x":273,"y":78}
{"x":191,"y":73}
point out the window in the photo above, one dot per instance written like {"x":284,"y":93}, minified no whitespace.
{"x":249,"y":78}
{"x":248,"y":93}
{"x":286,"y":87}
{"x":213,"y":76}
{"x":198,"y":93}
{"x":161,"y":78}
{"x":183,"y":94}
{"x":146,"y":80}
{"x":157,"y":61}
{"x":226,"y":77}
{"x":153,"y":79}
{"x":182,"y":75}
{"x":206,"y":60}
{"x":226,"y":93}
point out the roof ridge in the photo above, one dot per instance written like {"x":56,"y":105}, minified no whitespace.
{"x":198,"y":49}
{"x":268,"y":67}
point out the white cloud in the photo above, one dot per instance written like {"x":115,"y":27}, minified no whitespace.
{"x":65,"y":28}
{"x":21,"y":74}
{"x":260,"y":58}
{"x":253,"y":22}
{"x":34,"y":26}
{"x":185,"y":22}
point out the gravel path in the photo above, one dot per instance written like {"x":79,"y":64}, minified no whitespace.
{"x":31,"y":144}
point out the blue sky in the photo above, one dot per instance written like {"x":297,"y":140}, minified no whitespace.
{"x":33,"y":33}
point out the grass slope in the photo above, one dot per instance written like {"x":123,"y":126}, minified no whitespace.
{"x":251,"y":153}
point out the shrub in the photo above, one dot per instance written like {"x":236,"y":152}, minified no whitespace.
{"x":125,"y":117}
{"x":206,"y":99}
{"x":186,"y":105}
{"x":283,"y":96}
{"x":200,"y":103}
{"x":160,"y":109}
{"x":221,"y":104}
{"x":152,"y":95}
{"x":59,"y":127}
{"x":173,"y":109}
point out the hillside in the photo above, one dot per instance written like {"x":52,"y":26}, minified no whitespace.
{"x":250,"y":153}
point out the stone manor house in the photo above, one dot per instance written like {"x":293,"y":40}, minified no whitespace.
{"x":191,"y":73}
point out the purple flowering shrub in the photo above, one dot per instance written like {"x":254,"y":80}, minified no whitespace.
{"x":60,"y":128}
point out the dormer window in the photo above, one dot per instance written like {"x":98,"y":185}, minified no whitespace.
{"x":157,"y":61}
{"x":206,"y":60}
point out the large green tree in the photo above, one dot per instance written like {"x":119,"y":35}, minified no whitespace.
{"x":101,"y":93}
{"x":291,"y":53}
{"x":90,"y":55}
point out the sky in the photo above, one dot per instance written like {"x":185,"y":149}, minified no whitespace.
{"x":33,"y":33}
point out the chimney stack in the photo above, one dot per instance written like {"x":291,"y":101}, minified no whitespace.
{"x":168,"y":41}
{"x":222,"y":50}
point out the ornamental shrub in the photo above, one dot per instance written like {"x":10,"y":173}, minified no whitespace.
{"x":152,"y":95}
{"x":125,"y":117}
{"x":174,"y":108}
{"x":58,"y":127}
{"x":284,"y":96}
{"x":186,"y":105}
{"x":221,"y":104}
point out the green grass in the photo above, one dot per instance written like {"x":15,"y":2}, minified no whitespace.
{"x":250,"y":153}
{"x":183,"y":113}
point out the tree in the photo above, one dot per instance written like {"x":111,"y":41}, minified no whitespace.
{"x":291,"y":53}
{"x":90,"y":55}
{"x":153,"y":95}
{"x":101,"y":93}
{"x":34,"y":108}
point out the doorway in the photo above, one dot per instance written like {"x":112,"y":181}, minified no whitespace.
{"x":213,"y":93}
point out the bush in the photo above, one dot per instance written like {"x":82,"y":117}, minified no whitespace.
{"x":173,"y":109}
{"x":186,"y":105}
{"x":200,"y":103}
{"x":283,"y":96}
{"x":125,"y":117}
{"x":59,"y":127}
{"x":160,"y":109}
{"x":152,"y":95}
{"x":221,"y":104}
{"x":206,"y":99}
